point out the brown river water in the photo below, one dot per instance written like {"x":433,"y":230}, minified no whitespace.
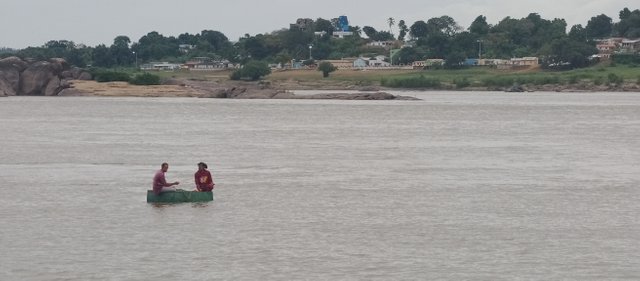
{"x":458,"y":186}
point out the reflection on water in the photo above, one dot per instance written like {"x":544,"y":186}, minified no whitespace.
{"x":458,"y":186}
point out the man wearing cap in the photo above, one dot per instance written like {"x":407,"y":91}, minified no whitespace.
{"x":203,"y":179}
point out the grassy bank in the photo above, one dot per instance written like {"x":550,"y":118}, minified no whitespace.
{"x":477,"y":78}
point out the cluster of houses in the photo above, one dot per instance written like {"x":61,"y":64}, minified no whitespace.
{"x":606,"y":48}
{"x":195,"y":64}
{"x":616,"y":45}
{"x":382,"y":63}
{"x":359,"y":63}
{"x":379,"y":62}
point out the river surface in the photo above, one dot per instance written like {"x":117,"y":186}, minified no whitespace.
{"x":458,"y":186}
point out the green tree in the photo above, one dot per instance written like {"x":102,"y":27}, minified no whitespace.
{"x":155,"y":46}
{"x":186,"y":38}
{"x":384,"y":36}
{"x":629,"y":25}
{"x":120,"y":52}
{"x":567,"y":52}
{"x":578,"y":33}
{"x":77,"y":57}
{"x":408,"y":55}
{"x":467,"y":43}
{"x":326,"y":68}
{"x":438,"y":44}
{"x":216,"y":39}
{"x":370,"y":32}
{"x":402,"y":26}
{"x":624,"y":14}
{"x":101,"y":56}
{"x":419,"y":29}
{"x":454,"y":60}
{"x":283,"y":57}
{"x":58,"y":48}
{"x":324,"y":25}
{"x":480,"y":26}
{"x":256,"y":47}
{"x":34,"y":53}
{"x":391,"y":22}
{"x":252,"y":70}
{"x":599,"y":26}
{"x":444,"y":24}
{"x":295,"y":42}
{"x":357,"y":31}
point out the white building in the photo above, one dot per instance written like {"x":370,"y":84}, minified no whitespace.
{"x":160,"y":66}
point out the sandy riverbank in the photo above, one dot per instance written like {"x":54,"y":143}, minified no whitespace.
{"x":238,"y":90}
{"x":280,"y":84}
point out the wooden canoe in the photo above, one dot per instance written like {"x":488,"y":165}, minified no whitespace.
{"x":179,"y":196}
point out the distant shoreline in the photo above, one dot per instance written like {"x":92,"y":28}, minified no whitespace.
{"x":256,"y":90}
{"x":364,"y":84}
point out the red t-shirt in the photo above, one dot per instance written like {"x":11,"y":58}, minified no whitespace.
{"x":159,"y":182}
{"x":204,"y":181}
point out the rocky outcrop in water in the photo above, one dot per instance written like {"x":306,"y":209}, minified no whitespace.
{"x":38,"y":78}
{"x":264,"y":90}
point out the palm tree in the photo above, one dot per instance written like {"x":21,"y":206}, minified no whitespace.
{"x":356,"y":30}
{"x":391,"y":21}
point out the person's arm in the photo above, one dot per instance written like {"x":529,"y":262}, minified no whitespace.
{"x":211,"y":183}
{"x":165,"y":184}
{"x":196,"y":181}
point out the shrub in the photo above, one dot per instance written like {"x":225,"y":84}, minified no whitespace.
{"x":612,"y":78}
{"x":461,"y":83}
{"x":573,"y":79}
{"x":545,"y":80}
{"x":499,"y":81}
{"x":145,"y":79}
{"x":326,"y":68}
{"x":110,"y":76}
{"x":598,"y":80}
{"x":236,"y":75}
{"x":252,"y":70}
{"x":413,"y":82}
{"x":626,"y":58}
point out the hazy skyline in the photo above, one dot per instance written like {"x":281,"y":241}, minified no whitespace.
{"x":34,"y":22}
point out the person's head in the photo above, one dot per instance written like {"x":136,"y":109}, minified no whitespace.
{"x":165,"y":167}
{"x":202,"y":166}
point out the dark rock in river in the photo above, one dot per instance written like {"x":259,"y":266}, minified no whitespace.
{"x":359,"y":96}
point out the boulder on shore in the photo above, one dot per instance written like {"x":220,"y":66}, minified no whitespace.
{"x":40,"y":78}
{"x":10,"y":69}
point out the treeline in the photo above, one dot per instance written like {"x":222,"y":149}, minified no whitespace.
{"x":438,"y":37}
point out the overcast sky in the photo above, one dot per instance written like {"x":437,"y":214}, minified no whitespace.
{"x":26,"y":23}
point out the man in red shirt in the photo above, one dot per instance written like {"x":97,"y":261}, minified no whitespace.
{"x":160,"y":183}
{"x":203,"y":179}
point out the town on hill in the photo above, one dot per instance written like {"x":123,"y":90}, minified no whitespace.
{"x":436,"y":41}
{"x":439,"y":43}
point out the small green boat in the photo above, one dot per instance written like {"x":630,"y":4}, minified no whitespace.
{"x":179,"y":196}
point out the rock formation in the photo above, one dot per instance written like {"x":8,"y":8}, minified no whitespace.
{"x":40,"y":78}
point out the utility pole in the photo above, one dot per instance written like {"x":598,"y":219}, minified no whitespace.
{"x":136,"y":54}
